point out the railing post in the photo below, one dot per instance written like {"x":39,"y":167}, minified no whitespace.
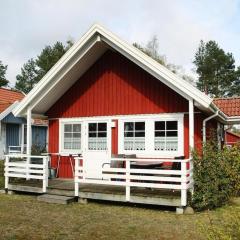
{"x":76,"y":183}
{"x":6,"y":172}
{"x":183,"y":183}
{"x":29,"y":139}
{"x":45,"y":174}
{"x":127,"y":180}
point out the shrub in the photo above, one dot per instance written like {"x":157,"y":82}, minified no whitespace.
{"x":38,"y":149}
{"x":231,"y":157}
{"x":1,"y":174}
{"x":216,"y":176}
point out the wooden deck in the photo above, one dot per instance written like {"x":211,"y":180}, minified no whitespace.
{"x":65,"y":187}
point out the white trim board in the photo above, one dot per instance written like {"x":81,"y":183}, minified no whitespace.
{"x":117,"y":117}
{"x":8,"y":110}
{"x":99,"y":35}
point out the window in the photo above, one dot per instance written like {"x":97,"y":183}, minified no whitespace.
{"x":134,"y":136}
{"x":159,"y":135}
{"x":72,"y":136}
{"x":166,"y":136}
{"x":97,"y":136}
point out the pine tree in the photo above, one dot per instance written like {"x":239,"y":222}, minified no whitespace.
{"x":216,"y":70}
{"x":35,"y":69}
{"x":28,"y":78}
{"x":3,"y":80}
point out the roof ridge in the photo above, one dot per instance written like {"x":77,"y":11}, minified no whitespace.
{"x":11,"y":89}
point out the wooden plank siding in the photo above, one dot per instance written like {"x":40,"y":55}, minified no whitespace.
{"x":231,"y":138}
{"x":116,"y":86}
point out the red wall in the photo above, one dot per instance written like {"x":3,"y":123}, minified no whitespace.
{"x":116,"y":86}
{"x":231,"y":139}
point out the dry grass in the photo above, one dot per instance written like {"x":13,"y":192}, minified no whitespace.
{"x":22,"y":217}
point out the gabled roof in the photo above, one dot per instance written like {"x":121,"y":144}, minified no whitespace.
{"x":8,"y":97}
{"x":230,"y":106}
{"x":83,"y":54}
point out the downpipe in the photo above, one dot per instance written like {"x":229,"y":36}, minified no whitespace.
{"x":204,"y":125}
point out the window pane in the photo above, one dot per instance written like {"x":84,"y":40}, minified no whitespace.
{"x":172,"y":146}
{"x":76,"y":145}
{"x":67,"y":145}
{"x":160,"y":125}
{"x":159,"y":144}
{"x":128,"y":134}
{"x":92,"y":127}
{"x":139,"y":125}
{"x":160,"y":134}
{"x":67,"y":127}
{"x":139,"y":134}
{"x":92,"y":134}
{"x":172,"y":125}
{"x":128,"y":126}
{"x":171,"y":133}
{"x":67,"y":135}
{"x":102,"y":134}
{"x":76,"y":135}
{"x":102,"y":126}
{"x":76,"y":127}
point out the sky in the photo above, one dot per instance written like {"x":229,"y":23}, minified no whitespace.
{"x":29,"y":25}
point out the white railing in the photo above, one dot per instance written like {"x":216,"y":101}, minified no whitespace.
{"x":14,"y":149}
{"x":130,"y":176}
{"x":26,"y":166}
{"x":17,"y":149}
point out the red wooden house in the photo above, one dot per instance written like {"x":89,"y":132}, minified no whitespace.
{"x":232,"y":138}
{"x":105,"y":100}
{"x":231,"y":107}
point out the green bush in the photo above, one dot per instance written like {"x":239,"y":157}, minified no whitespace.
{"x":216,"y":176}
{"x":1,"y":174}
{"x":38,"y":149}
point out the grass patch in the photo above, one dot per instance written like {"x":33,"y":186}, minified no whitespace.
{"x":22,"y":217}
{"x":1,"y":174}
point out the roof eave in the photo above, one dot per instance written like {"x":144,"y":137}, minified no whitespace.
{"x":8,"y":110}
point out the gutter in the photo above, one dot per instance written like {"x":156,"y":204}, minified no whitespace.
{"x":204,"y":124}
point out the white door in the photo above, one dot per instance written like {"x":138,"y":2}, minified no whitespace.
{"x":97,"y":147}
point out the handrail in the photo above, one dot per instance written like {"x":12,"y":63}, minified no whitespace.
{"x":127,"y":176}
{"x":152,"y":159}
{"x":26,"y":169}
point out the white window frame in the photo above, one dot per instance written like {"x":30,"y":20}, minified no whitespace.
{"x":150,"y":136}
{"x":62,"y":150}
{"x":108,"y":131}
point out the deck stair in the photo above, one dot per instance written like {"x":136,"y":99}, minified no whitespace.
{"x":52,"y":198}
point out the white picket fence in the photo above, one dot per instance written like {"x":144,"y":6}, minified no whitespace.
{"x":129,"y":176}
{"x":26,"y":166}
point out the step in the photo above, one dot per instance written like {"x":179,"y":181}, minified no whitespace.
{"x":50,"y":198}
{"x":61,"y":192}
